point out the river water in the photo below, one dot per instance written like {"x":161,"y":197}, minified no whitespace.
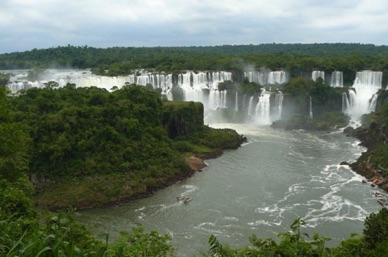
{"x":260,"y":188}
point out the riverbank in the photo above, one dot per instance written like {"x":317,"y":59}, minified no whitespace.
{"x":373,"y":164}
{"x":102,"y":190}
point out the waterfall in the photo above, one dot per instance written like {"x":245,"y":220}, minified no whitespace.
{"x":194,"y":86}
{"x":366,"y":85}
{"x":372,"y":103}
{"x":191,"y":83}
{"x":277,"y":77}
{"x":337,"y":79}
{"x":251,"y":107}
{"x":311,"y":108}
{"x":267,"y":77}
{"x":318,"y":74}
{"x":345,"y":102}
{"x":256,"y":77}
{"x":278,"y":106}
{"x":236,"y":102}
{"x":262,"y":109}
{"x":352,"y":97}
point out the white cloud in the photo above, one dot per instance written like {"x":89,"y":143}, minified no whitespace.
{"x":26,"y":24}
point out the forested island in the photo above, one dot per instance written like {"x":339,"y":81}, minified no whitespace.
{"x":66,"y":148}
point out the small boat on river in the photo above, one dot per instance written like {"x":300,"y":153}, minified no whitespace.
{"x":183,"y":198}
{"x":381,"y":198}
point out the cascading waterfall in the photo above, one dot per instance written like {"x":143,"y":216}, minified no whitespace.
{"x":195,"y":86}
{"x":262,"y":109}
{"x":278,"y":106}
{"x":258,"y":77}
{"x":337,"y":79}
{"x":277,"y":77}
{"x":366,"y":85}
{"x":372,"y":103}
{"x":318,"y":74}
{"x":267,"y":77}
{"x":251,"y":109}
{"x":345,"y":102}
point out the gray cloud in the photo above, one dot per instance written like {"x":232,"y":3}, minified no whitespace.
{"x":27,"y":24}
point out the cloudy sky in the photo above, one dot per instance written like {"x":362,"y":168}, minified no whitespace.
{"x":28,"y":24}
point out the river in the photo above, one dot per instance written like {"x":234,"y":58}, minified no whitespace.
{"x":260,"y":188}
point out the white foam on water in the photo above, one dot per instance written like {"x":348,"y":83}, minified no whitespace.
{"x":189,"y":189}
{"x":231,"y":218}
{"x":325,"y":203}
{"x":264,"y":222}
{"x":209,"y":228}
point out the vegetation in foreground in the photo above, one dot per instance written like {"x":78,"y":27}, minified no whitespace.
{"x":58,"y":235}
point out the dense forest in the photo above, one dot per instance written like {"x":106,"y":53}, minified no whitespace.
{"x":129,"y":141}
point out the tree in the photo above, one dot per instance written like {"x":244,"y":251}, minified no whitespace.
{"x":140,"y":243}
{"x":13,"y":144}
{"x":376,"y":229}
{"x":4,"y":79}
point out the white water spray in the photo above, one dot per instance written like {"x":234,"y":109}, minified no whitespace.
{"x":262,"y":109}
{"x":366,"y":85}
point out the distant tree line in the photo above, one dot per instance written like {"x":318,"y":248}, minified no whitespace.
{"x":297,"y":58}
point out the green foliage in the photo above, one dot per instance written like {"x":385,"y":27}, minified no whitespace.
{"x":227,"y":85}
{"x":245,"y":87}
{"x":13,"y":149}
{"x":79,"y":131}
{"x":213,"y":141}
{"x":324,"y":121}
{"x":140,"y":243}
{"x":292,"y":243}
{"x":4,"y":79}
{"x":376,"y":229}
{"x":350,"y":247}
{"x":182,"y":119}
{"x":249,"y":88}
{"x":59,"y":236}
{"x":128,"y":141}
{"x":373,"y":134}
{"x":13,"y":143}
{"x":122,"y":60}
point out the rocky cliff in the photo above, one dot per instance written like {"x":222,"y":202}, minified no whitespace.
{"x":180,"y":119}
